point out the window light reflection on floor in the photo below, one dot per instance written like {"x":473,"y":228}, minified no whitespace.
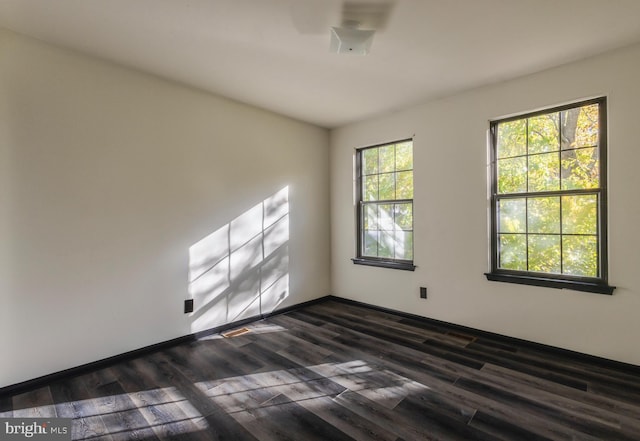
{"x":264,"y":389}
{"x":139,"y":409}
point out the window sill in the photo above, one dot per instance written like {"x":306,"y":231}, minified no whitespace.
{"x":406,"y":266}
{"x":593,"y":287}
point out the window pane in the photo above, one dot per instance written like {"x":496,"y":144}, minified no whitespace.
{"x":580,"y":256}
{"x":512,"y":175}
{"x":370,"y":217}
{"x":513,"y":252}
{"x":387,"y":159}
{"x":512,"y":216}
{"x":404,"y":217}
{"x":404,"y":185}
{"x":512,"y":138}
{"x":543,"y":215}
{"x":404,"y":156}
{"x":386,"y":244}
{"x":385,"y":217}
{"x":580,"y":127}
{"x":544,"y":172}
{"x":387,"y":187}
{"x":544,"y":253}
{"x":580,"y":169}
{"x":544,"y":133}
{"x":404,"y":245}
{"x":370,"y":191}
{"x":369,"y":161}
{"x":580,"y":214}
{"x":370,"y":245}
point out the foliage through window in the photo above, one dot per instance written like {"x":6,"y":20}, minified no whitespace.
{"x":385,"y":209}
{"x":549,"y":198}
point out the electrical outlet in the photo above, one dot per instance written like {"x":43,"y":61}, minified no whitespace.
{"x":423,"y":292}
{"x":188,"y":306}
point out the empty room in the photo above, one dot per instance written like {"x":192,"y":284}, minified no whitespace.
{"x":319,"y":220}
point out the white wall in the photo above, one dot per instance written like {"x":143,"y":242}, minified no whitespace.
{"x":451,"y":214}
{"x":109,"y":176}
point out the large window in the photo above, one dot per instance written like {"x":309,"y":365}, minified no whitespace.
{"x":549,"y":198}
{"x":385,"y":205}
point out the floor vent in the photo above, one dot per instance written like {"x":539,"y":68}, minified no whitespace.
{"x":236,"y":332}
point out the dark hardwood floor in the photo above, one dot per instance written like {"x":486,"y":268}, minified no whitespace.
{"x":335,"y":371}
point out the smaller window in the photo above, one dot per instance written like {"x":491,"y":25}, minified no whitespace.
{"x":385,"y":205}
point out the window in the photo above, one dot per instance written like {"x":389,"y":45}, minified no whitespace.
{"x":385,"y":208}
{"x":549,"y":199}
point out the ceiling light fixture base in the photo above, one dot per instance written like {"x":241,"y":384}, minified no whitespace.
{"x":351,"y":41}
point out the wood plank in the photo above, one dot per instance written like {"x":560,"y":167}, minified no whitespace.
{"x":573,"y":420}
{"x":289,"y":421}
{"x":510,"y":360}
{"x":36,"y":403}
{"x":74,"y":401}
{"x":6,"y":407}
{"x":164,"y":410}
{"x":354,"y":425}
{"x":221,"y":425}
{"x":565,"y":367}
{"x":520,"y":380}
{"x":504,"y":429}
{"x":568,"y":400}
{"x":391,"y":323}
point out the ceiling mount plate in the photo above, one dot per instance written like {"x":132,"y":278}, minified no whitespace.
{"x":351,"y":41}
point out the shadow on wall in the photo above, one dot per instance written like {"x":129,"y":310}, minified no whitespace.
{"x":241,"y":270}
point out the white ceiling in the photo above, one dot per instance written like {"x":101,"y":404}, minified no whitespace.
{"x":253,"y":51}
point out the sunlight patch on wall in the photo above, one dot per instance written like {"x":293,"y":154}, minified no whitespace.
{"x":241,"y":270}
